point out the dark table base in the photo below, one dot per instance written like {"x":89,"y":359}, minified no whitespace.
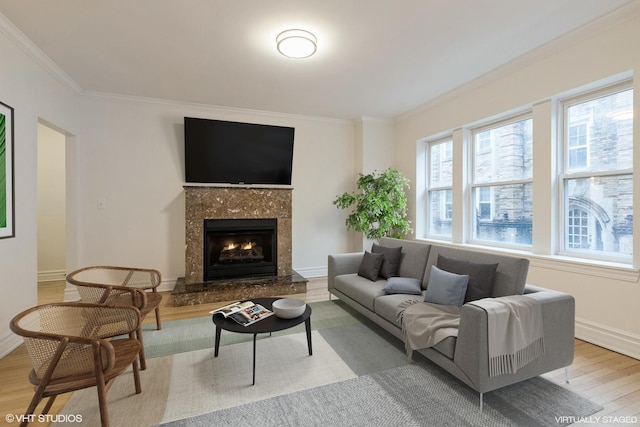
{"x":268,"y":325}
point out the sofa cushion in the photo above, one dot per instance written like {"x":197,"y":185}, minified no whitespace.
{"x":446,"y":288}
{"x":390,"y":259}
{"x":360,"y":289}
{"x":511,"y":274}
{"x":481,"y":276}
{"x":387,"y":307}
{"x":370,"y":266}
{"x":403,"y":285}
{"x":413,"y":256}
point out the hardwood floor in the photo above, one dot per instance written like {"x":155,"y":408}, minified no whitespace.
{"x":606,"y":377}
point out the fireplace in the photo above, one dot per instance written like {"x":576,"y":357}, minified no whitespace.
{"x":240,"y":248}
{"x":232,"y":206}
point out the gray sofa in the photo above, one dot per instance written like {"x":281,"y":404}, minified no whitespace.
{"x":465,"y":357}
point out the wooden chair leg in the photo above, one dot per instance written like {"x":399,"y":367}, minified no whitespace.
{"x":158,"y":322}
{"x":102,"y":404}
{"x":136,"y":377}
{"x":49,"y":404}
{"x":143,"y":361}
{"x":37,"y":398}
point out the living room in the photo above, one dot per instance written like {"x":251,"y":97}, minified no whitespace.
{"x":127,"y":151}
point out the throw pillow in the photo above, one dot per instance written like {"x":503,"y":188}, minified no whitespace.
{"x":370,"y":266}
{"x":403,"y":285}
{"x":390,"y":261}
{"x":446,"y":288}
{"x":481,"y":276}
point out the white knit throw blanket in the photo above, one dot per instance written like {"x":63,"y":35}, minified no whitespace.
{"x":425,"y":325}
{"x":514,"y":330}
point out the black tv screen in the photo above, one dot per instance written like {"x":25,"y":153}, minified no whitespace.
{"x":222,"y":152}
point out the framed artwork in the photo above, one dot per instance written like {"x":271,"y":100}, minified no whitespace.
{"x":7,"y":226}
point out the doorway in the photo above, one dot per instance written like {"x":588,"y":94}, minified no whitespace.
{"x":51,"y":202}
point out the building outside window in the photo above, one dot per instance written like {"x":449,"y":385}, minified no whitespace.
{"x":578,"y":229}
{"x":501,"y":187}
{"x":439,"y":182}
{"x":597,"y":178}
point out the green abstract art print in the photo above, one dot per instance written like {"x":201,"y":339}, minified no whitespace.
{"x":7,"y":228}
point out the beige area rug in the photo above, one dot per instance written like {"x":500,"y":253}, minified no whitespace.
{"x":187,"y":384}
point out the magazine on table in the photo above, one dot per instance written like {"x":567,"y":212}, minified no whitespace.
{"x":245,"y":313}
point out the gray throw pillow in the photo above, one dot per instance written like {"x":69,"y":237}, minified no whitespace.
{"x":370,"y":266}
{"x":446,"y":288}
{"x":481,"y":276}
{"x":403,"y":285}
{"x":391,"y":259}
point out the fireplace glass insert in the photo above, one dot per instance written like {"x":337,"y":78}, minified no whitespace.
{"x":240,"y":248}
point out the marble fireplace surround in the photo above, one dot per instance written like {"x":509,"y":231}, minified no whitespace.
{"x":234,"y":202}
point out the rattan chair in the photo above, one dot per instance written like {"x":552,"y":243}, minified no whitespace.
{"x":71,"y":348}
{"x":121,"y":286}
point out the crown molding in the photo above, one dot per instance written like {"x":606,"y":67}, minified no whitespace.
{"x":35,"y":53}
{"x":210,"y":108}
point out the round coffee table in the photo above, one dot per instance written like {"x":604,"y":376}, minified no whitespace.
{"x":268,"y":325}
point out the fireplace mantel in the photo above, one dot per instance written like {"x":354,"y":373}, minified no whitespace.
{"x":234,"y":202}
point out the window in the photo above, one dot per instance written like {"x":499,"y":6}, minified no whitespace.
{"x":577,"y":139}
{"x":501,"y":187}
{"x":439,"y":181}
{"x":484,"y":141}
{"x":484,"y":204}
{"x":590,"y":155}
{"x":597,"y":178}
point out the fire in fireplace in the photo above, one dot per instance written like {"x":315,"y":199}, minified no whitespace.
{"x":240,"y":248}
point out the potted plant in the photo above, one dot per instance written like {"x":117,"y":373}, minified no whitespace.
{"x":380,"y":205}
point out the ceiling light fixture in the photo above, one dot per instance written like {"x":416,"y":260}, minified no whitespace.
{"x":296,"y":43}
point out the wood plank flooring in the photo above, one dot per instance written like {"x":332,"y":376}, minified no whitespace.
{"x":606,"y":377}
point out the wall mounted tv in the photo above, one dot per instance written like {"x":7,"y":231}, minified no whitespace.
{"x":222,"y":152}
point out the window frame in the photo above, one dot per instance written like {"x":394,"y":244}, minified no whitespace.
{"x":584,"y":146}
{"x":472,"y":184}
{"x":447,"y":155}
{"x":564,"y":174}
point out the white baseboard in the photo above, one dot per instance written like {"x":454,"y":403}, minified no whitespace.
{"x":51,"y":275}
{"x":610,"y":338}
{"x":8,"y":343}
{"x":167,"y":285}
{"x":309,"y":272}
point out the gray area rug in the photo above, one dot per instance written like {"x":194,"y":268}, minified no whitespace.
{"x":419,"y":394}
{"x":359,"y":375}
{"x":389,"y":391}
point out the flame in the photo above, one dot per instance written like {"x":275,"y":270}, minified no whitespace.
{"x":243,"y":246}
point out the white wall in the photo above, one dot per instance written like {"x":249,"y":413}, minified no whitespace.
{"x":51,"y":195}
{"x":373,"y":153}
{"x":133,"y":162}
{"x":34,"y":94}
{"x":606,"y":297}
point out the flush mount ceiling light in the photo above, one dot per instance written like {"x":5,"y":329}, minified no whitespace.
{"x":296,"y":43}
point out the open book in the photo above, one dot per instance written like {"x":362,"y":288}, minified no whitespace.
{"x":245,"y":313}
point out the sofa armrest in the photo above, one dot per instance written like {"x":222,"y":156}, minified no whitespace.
{"x":472,"y":354}
{"x":347,"y":263}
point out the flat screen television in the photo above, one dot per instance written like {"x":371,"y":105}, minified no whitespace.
{"x":222,"y":152}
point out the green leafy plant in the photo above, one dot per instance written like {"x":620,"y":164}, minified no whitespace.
{"x":380,"y":205}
